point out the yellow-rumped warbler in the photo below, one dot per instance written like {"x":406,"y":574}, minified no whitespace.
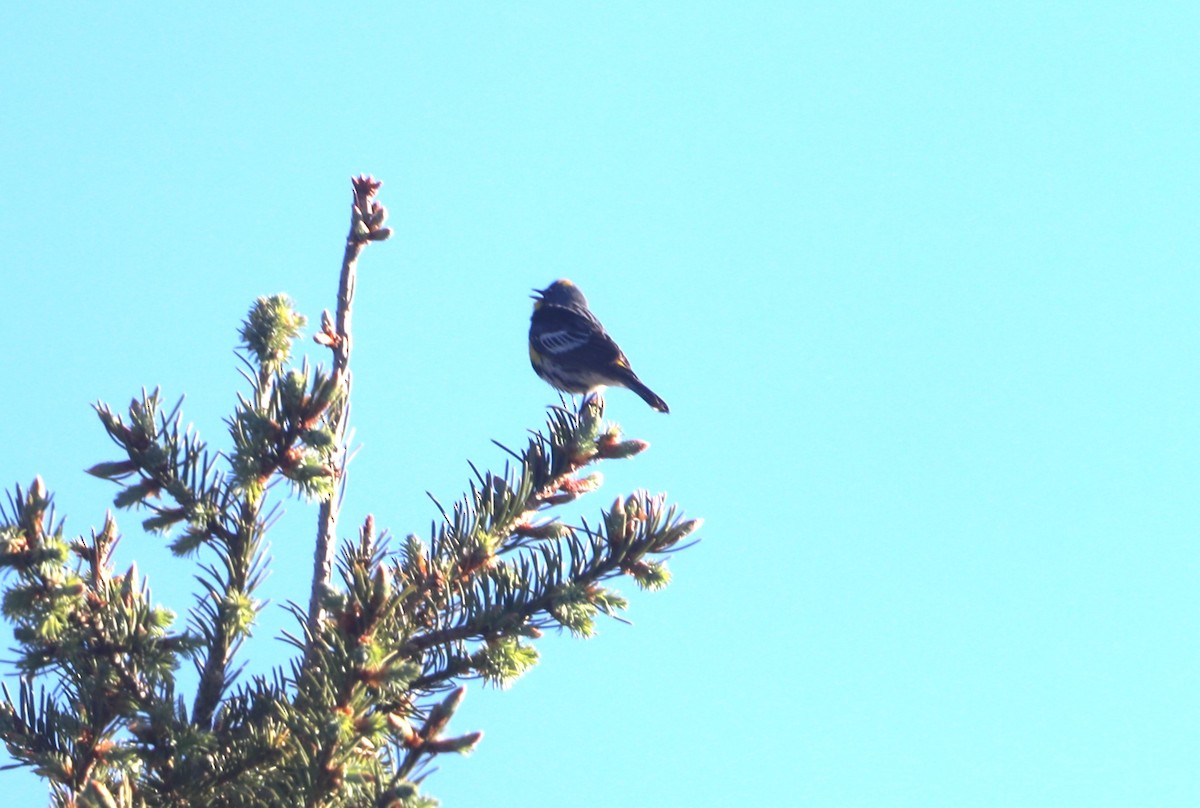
{"x":571,"y":350}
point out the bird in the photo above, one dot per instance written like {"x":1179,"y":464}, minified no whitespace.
{"x":569,"y":348}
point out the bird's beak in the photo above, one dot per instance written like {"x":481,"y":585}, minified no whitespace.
{"x":537,"y":294}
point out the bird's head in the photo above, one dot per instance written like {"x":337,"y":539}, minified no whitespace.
{"x":560,"y":293}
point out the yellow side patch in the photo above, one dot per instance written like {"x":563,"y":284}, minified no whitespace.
{"x":534,"y":356}
{"x":621,"y":362}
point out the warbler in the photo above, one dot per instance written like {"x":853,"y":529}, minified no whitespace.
{"x":570,"y":349}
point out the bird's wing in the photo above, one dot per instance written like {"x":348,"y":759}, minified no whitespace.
{"x":561,"y":330}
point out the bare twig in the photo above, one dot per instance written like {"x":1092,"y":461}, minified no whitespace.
{"x":366,"y":224}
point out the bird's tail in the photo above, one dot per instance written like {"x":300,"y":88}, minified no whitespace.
{"x":649,"y":396}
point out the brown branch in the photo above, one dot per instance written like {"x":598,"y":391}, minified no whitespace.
{"x":366,"y":224}
{"x":439,"y":677}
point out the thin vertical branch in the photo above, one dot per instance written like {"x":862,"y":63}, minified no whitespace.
{"x":241,"y":549}
{"x":366,"y":225}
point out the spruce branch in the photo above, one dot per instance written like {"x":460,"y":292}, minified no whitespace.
{"x":367,"y":218}
{"x":498,"y":573}
{"x":276,"y":429}
{"x":352,"y":688}
{"x":96,"y":631}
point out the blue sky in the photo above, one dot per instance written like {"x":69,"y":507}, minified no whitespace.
{"x":918,"y":281}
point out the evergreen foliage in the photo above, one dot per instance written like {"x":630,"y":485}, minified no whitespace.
{"x":380,"y":658}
